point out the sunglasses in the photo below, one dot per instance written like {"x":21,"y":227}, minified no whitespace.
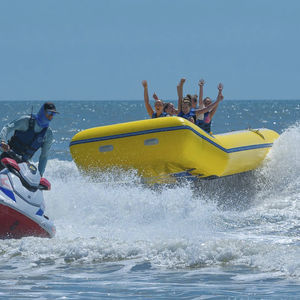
{"x":50,"y":113}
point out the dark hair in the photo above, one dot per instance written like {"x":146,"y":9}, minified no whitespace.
{"x":166,"y":105}
{"x":189,"y":96}
{"x":186,"y":100}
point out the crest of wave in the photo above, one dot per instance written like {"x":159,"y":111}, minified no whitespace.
{"x":282,"y":165}
{"x":281,"y":172}
{"x":277,"y":202}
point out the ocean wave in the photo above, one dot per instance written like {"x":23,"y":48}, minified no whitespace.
{"x":249,"y":219}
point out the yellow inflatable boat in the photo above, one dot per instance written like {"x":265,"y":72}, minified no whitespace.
{"x":170,"y":146}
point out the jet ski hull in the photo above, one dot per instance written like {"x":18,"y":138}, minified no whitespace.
{"x":22,"y":204}
{"x":14,"y":224}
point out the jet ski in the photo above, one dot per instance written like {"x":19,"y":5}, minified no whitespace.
{"x":22,"y":204}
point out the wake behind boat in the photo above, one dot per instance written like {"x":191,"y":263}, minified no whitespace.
{"x":21,"y":201}
{"x":173,"y":145}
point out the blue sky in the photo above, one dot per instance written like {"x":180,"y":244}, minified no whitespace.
{"x":103,"y":49}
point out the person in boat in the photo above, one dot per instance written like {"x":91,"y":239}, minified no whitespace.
{"x":185,"y":105}
{"x":29,"y":134}
{"x":169,"y":107}
{"x":158,"y":106}
{"x":185,"y":110}
{"x":193,"y":99}
{"x":204,"y":120}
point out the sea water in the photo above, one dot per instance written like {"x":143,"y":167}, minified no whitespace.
{"x":236,"y":237}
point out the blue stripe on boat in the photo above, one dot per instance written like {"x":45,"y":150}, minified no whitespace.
{"x":124,"y":135}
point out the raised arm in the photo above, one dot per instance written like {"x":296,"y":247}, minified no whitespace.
{"x":146,"y":98}
{"x":201,"y":84}
{"x":180,"y":93}
{"x":155,"y":97}
{"x":220,"y":89}
{"x":210,"y":107}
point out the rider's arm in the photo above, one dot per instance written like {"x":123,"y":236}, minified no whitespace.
{"x":209,"y":107}
{"x":180,"y":93}
{"x":45,"y":151}
{"x":146,"y":99}
{"x":220,"y":95}
{"x":201,"y":104}
{"x":19,"y":124}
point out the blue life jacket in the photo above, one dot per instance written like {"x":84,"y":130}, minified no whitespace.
{"x":26,"y":143}
{"x":193,"y":114}
{"x":154,"y":115}
{"x":186,"y":116}
{"x":206,"y":126}
{"x":193,"y":111}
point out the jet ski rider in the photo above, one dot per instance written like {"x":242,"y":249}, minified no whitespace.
{"x":29,"y":134}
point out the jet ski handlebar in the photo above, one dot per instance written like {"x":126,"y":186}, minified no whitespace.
{"x":12,"y":165}
{"x":18,"y":158}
